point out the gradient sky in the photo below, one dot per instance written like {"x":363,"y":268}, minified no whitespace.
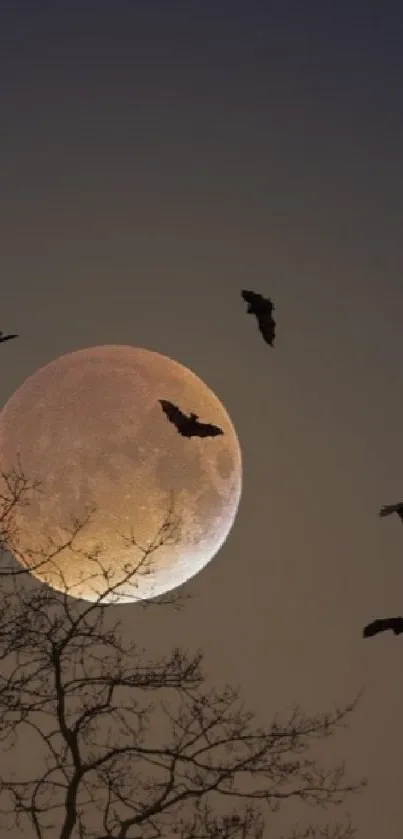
{"x":156,"y":157}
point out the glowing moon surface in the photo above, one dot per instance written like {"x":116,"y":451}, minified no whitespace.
{"x":90,"y":428}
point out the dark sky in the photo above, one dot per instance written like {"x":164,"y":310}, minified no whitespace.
{"x":156,"y":157}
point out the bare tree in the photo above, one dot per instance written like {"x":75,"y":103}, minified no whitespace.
{"x":124,"y":746}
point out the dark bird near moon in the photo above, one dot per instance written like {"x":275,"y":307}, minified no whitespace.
{"x":116,"y":457}
{"x":4,"y":337}
{"x":388,"y":509}
{"x":382,"y":625}
{"x":262,"y":308}
{"x":188,"y":425}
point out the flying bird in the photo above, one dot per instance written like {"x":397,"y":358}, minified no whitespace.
{"x":188,"y":426}
{"x":262,"y":308}
{"x":383,"y":624}
{"x":388,"y":509}
{"x":4,"y":337}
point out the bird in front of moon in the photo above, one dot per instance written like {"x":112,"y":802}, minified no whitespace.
{"x":188,"y":426}
{"x":89,"y":428}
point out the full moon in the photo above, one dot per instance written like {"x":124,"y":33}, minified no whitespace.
{"x":89,"y":428}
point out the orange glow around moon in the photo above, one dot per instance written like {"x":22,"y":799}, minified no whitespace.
{"x":90,"y":428}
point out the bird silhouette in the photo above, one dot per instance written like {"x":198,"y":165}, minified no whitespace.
{"x":4,"y":337}
{"x":382,"y":625}
{"x":388,"y":509}
{"x":188,"y":425}
{"x":262,"y":308}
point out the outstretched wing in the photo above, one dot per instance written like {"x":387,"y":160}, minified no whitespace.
{"x":174,"y":414}
{"x":374,"y":627}
{"x":4,"y":337}
{"x":382,"y":625}
{"x":205,"y":429}
{"x":388,"y":509}
{"x":251,"y":297}
{"x":267,"y":327}
{"x":257,"y":302}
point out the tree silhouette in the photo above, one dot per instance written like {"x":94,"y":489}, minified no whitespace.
{"x":127,"y":746}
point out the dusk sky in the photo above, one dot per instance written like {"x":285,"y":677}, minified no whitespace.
{"x":156,"y":158}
